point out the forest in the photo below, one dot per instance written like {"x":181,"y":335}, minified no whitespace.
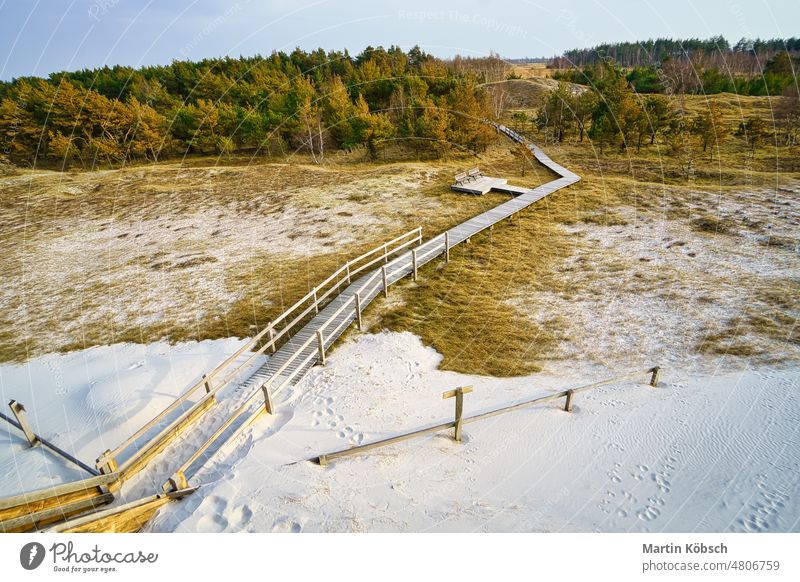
{"x":611,"y":112}
{"x":311,"y":102}
{"x":750,"y":67}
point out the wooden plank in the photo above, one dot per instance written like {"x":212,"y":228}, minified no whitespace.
{"x":459,"y":413}
{"x":451,"y":393}
{"x":325,"y":459}
{"x":138,"y":462}
{"x":654,"y":377}
{"x":43,"y":517}
{"x":55,"y":491}
{"x":127,"y":518}
{"x":459,"y":395}
{"x":54,"y":501}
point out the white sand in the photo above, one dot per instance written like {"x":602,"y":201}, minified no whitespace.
{"x":704,"y":453}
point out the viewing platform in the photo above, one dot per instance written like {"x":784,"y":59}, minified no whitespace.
{"x":474,"y":182}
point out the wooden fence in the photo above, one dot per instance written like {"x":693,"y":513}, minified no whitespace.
{"x":229,"y":370}
{"x":36,"y":508}
{"x":127,"y":518}
{"x":53,"y":503}
{"x":260,"y":400}
{"x":568,"y":395}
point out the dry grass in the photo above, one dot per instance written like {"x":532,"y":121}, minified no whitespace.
{"x":199,"y":250}
{"x":532,"y":70}
{"x":506,"y":304}
{"x":462,"y":310}
{"x":579,"y":275}
{"x":732,"y":165}
{"x":713,"y":224}
{"x":771,"y":314}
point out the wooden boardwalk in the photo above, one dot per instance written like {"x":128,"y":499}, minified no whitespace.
{"x":227,"y":400}
{"x":302,"y":351}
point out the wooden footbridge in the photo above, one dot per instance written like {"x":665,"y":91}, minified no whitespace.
{"x":248,"y":384}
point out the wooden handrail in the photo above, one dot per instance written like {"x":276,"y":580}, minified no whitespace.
{"x":335,"y":281}
{"x":54,"y":448}
{"x":266,"y":386}
{"x":275,"y":337}
{"x":97,"y":515}
{"x":324,"y":459}
{"x":55,"y":490}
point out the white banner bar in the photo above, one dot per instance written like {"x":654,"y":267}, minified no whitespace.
{"x":352,"y":557}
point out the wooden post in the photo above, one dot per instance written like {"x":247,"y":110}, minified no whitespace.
{"x":19,"y":412}
{"x":446,"y":247}
{"x":459,"y":413}
{"x":267,"y":398}
{"x":568,"y":403}
{"x":106,"y":463}
{"x":316,"y":305}
{"x":414,"y":262}
{"x":206,"y":383}
{"x":385,"y":253}
{"x":385,"y":282}
{"x":654,"y":377}
{"x":358,"y":311}
{"x":271,"y":335}
{"x":459,"y":394}
{"x":321,"y":347}
{"x":348,"y":272}
{"x":176,"y":483}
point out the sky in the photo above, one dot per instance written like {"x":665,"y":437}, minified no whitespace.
{"x":38,"y":37}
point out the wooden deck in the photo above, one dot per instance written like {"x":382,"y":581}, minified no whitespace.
{"x":486,"y":184}
{"x":480,"y":186}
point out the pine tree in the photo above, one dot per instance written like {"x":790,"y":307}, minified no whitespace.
{"x":709,"y":126}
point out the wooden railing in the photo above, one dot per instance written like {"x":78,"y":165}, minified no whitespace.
{"x":42,"y":506}
{"x":228,"y":370}
{"x":298,"y":363}
{"x":568,"y":396}
{"x":299,"y":360}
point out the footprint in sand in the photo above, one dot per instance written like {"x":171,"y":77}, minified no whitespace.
{"x":287,"y":526}
{"x":212,"y":524}
{"x":649,"y":513}
{"x":213,"y":521}
{"x":325,"y":414}
{"x":241,"y":516}
{"x":345,"y":432}
{"x":639,"y":472}
{"x":765,"y":507}
{"x":661,"y":482}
